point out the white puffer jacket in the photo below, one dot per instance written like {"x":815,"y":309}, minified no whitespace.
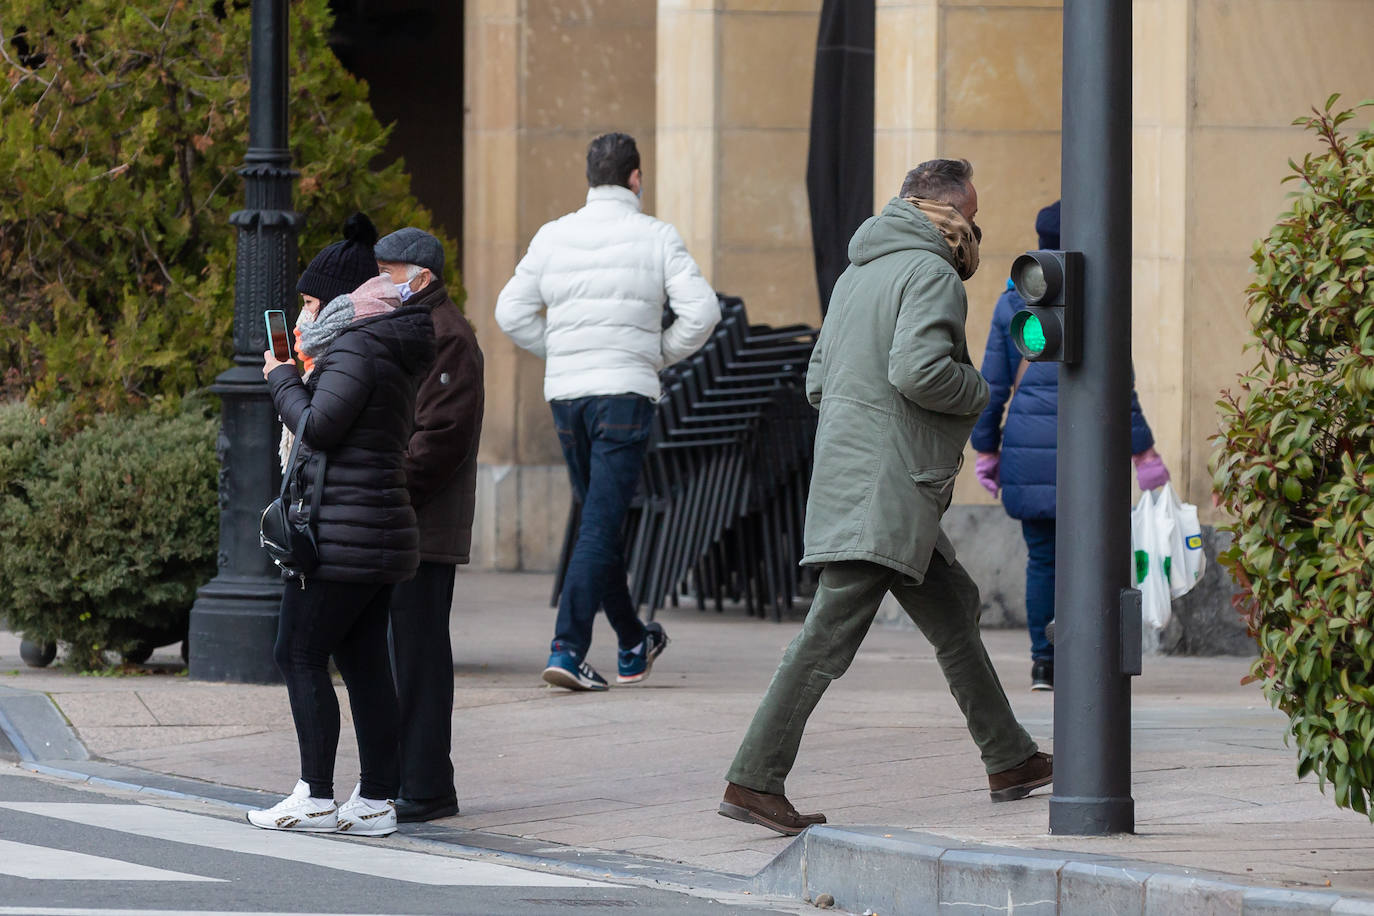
{"x":602,"y":274}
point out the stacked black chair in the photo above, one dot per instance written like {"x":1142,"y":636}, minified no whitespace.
{"x":721,"y":502}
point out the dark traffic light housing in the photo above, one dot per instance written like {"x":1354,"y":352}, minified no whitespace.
{"x":1050,"y":327}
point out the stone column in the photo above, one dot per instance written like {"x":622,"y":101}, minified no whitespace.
{"x":1159,"y":208}
{"x":734,"y":113}
{"x":687,"y":130}
{"x":541,"y":80}
{"x":906,"y":91}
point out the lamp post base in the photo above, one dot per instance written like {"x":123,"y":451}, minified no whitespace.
{"x":1091,"y":816}
{"x":233,"y":628}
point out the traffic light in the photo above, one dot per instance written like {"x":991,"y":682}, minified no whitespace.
{"x":1050,"y":328}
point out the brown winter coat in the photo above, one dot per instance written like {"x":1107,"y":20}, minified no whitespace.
{"x":441,"y":462}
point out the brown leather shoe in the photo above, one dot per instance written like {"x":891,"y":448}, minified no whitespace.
{"x":1035,"y":771}
{"x":772,"y":811}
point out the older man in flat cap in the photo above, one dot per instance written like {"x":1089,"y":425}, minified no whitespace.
{"x":441,"y":472}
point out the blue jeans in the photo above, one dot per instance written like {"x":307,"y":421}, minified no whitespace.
{"x":604,"y":440}
{"x":1039,"y":535}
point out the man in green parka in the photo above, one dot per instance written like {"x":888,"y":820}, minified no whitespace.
{"x":898,"y":397}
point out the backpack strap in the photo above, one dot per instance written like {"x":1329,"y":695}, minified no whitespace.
{"x":291,"y":459}
{"x":290,"y":471}
{"x":1020,"y":375}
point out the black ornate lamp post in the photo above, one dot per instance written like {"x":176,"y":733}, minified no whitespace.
{"x":234,"y":619}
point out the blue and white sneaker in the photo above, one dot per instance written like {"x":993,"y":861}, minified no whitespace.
{"x":567,"y":670}
{"x":634,"y":664}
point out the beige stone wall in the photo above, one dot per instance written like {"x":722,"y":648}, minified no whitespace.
{"x":542,"y":78}
{"x":1160,"y":105}
{"x":1258,"y":64}
{"x":734,"y":110}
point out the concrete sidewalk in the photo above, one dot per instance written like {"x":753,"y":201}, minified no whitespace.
{"x":639,"y":769}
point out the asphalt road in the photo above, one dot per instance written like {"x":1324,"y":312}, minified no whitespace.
{"x":72,"y":851}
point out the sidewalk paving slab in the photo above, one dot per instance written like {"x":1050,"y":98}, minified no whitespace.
{"x":638,"y":771}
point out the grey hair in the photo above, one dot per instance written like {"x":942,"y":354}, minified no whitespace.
{"x":412,"y":270}
{"x":939,"y":179}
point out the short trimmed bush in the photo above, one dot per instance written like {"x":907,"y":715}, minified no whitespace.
{"x":1294,"y":464}
{"x":107,"y":531}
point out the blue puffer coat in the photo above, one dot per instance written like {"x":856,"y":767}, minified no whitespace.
{"x":1027,"y":442}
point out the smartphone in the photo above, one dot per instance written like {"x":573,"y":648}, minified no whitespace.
{"x":277,"y":336}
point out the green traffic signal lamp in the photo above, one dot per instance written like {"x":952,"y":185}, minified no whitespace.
{"x":1050,"y":327}
{"x":1029,"y":333}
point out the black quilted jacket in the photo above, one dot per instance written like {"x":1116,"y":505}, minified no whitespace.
{"x":362,"y":400}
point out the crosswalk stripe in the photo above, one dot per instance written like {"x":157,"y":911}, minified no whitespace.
{"x":359,"y":857}
{"x":91,"y":911}
{"x":43,"y":863}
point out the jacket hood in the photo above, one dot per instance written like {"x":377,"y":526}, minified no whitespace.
{"x":899,"y":227}
{"x":407,"y":335}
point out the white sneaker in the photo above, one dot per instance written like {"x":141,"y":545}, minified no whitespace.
{"x":359,"y":817}
{"x":298,"y":812}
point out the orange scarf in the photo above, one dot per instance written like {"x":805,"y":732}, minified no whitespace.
{"x":306,"y":362}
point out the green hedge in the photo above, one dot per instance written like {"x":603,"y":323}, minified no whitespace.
{"x":105,"y":532}
{"x":1294,"y":464}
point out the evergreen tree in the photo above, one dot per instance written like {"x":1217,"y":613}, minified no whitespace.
{"x":122,"y":126}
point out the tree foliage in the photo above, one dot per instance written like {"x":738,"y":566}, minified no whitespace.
{"x":1294,"y":463}
{"x":122,"y":126}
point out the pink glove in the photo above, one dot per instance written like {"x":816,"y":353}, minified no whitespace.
{"x":1150,"y":471}
{"x":986,"y":468}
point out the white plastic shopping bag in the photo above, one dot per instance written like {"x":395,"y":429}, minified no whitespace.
{"x":1147,"y":548}
{"x":1184,"y":560}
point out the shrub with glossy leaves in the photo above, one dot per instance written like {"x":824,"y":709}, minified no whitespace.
{"x":1294,"y":463}
{"x":122,"y":126}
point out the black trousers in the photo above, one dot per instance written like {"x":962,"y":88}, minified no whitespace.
{"x":422,"y":662}
{"x":346,"y":620}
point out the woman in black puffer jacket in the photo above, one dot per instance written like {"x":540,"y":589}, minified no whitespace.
{"x":369,"y":357}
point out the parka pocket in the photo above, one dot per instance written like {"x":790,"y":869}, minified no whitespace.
{"x":941,"y":476}
{"x":941,"y":480}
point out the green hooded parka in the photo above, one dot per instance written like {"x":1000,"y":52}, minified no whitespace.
{"x":897,"y":395}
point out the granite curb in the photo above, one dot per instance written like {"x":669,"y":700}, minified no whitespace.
{"x":883,"y":870}
{"x":901,"y":872}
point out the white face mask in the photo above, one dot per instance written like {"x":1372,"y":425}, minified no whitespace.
{"x":404,"y":291}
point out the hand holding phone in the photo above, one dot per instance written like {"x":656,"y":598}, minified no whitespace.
{"x":278,"y":339}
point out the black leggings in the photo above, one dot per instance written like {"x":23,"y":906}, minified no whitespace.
{"x":349,"y":621}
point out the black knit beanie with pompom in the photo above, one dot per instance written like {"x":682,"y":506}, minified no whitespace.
{"x":343,"y":266}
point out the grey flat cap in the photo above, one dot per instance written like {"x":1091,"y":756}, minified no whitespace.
{"x":411,"y":246}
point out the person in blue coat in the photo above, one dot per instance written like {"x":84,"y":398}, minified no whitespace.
{"x":1017,"y":456}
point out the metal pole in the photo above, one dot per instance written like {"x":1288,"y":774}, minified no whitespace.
{"x":234,"y":619}
{"x":1092,"y":700}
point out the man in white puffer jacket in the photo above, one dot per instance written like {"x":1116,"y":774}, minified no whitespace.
{"x":588,"y":296}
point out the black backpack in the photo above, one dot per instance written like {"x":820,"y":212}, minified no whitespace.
{"x":291,"y":544}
